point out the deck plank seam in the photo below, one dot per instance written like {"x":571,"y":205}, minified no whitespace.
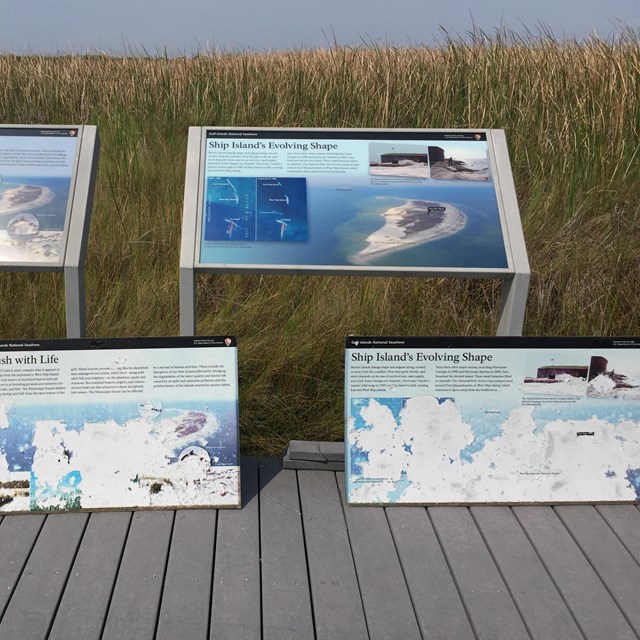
{"x":68,"y":576}
{"x":24,"y":565}
{"x":615,"y":533}
{"x":343,"y":504}
{"x":501,"y":574}
{"x":213,"y":572}
{"x":259,"y":532}
{"x":597,"y":573}
{"x":164,"y":576}
{"x":453,"y":576}
{"x":306,"y":558}
{"x":115,"y":578}
{"x":550,"y":574}
{"x":404,"y":575}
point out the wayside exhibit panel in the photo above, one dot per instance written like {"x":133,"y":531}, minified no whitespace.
{"x":364,"y":202}
{"x":492,"y":420}
{"x":119,"y":423}
{"x":47,"y":178}
{"x":350,"y":200}
{"x":37,"y":179}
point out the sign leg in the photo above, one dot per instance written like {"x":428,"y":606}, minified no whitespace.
{"x":187,"y":302}
{"x":512,"y":305}
{"x":74,"y":302}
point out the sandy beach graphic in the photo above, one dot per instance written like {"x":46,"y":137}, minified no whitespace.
{"x":413,"y":223}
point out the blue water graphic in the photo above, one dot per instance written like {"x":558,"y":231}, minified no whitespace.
{"x":608,"y":410}
{"x":401,"y":486}
{"x":395,"y":405}
{"x":357,"y":457}
{"x":15,"y":442}
{"x":633,"y":476}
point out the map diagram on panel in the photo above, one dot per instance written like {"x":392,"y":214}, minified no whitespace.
{"x":230,"y":209}
{"x":256,"y":209}
{"x":282,"y":209}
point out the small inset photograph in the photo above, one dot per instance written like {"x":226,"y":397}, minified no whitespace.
{"x":556,"y":373}
{"x":459,"y":160}
{"x":615,"y":374}
{"x":400,"y":160}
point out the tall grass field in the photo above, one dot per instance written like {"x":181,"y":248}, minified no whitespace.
{"x":571,"y":113}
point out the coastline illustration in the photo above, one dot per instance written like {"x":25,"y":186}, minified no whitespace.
{"x":413,"y":223}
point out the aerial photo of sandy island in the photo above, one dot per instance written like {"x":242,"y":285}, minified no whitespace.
{"x":410,"y":224}
{"x":21,"y":238}
{"x":24,"y":197}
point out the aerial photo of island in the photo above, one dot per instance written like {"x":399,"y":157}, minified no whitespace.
{"x":24,"y":197}
{"x":31,"y":222}
{"x":411,"y":223}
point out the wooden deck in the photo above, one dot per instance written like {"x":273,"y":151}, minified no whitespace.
{"x":294,"y":564}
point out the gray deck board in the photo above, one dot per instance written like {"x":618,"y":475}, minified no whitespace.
{"x":334,"y":585}
{"x":592,"y":606}
{"x":624,"y":520}
{"x":435,"y":597}
{"x":18,"y":534}
{"x":486,"y":596}
{"x":380,"y":574}
{"x":184,"y":611}
{"x":235,"y":609}
{"x":538,"y":600}
{"x":296,"y":563}
{"x":614,"y":565}
{"x":286,"y":602}
{"x":133,"y":611}
{"x":35,"y":600}
{"x":88,"y":591}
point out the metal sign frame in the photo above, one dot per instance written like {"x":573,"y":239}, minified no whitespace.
{"x":76,"y":225}
{"x":515,"y":273}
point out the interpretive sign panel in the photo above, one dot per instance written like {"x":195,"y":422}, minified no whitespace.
{"x":365,"y":202}
{"x":37,"y":165}
{"x":492,"y":420}
{"x":351,"y":199}
{"x":119,"y":423}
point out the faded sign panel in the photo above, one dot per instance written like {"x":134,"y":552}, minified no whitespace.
{"x":119,"y":424}
{"x":492,"y":420}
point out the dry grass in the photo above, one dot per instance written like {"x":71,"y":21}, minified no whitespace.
{"x":572,"y":117}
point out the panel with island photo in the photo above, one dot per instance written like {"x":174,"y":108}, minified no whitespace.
{"x":359,"y":199}
{"x":37,"y":166}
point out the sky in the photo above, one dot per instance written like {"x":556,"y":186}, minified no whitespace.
{"x":175,"y":27}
